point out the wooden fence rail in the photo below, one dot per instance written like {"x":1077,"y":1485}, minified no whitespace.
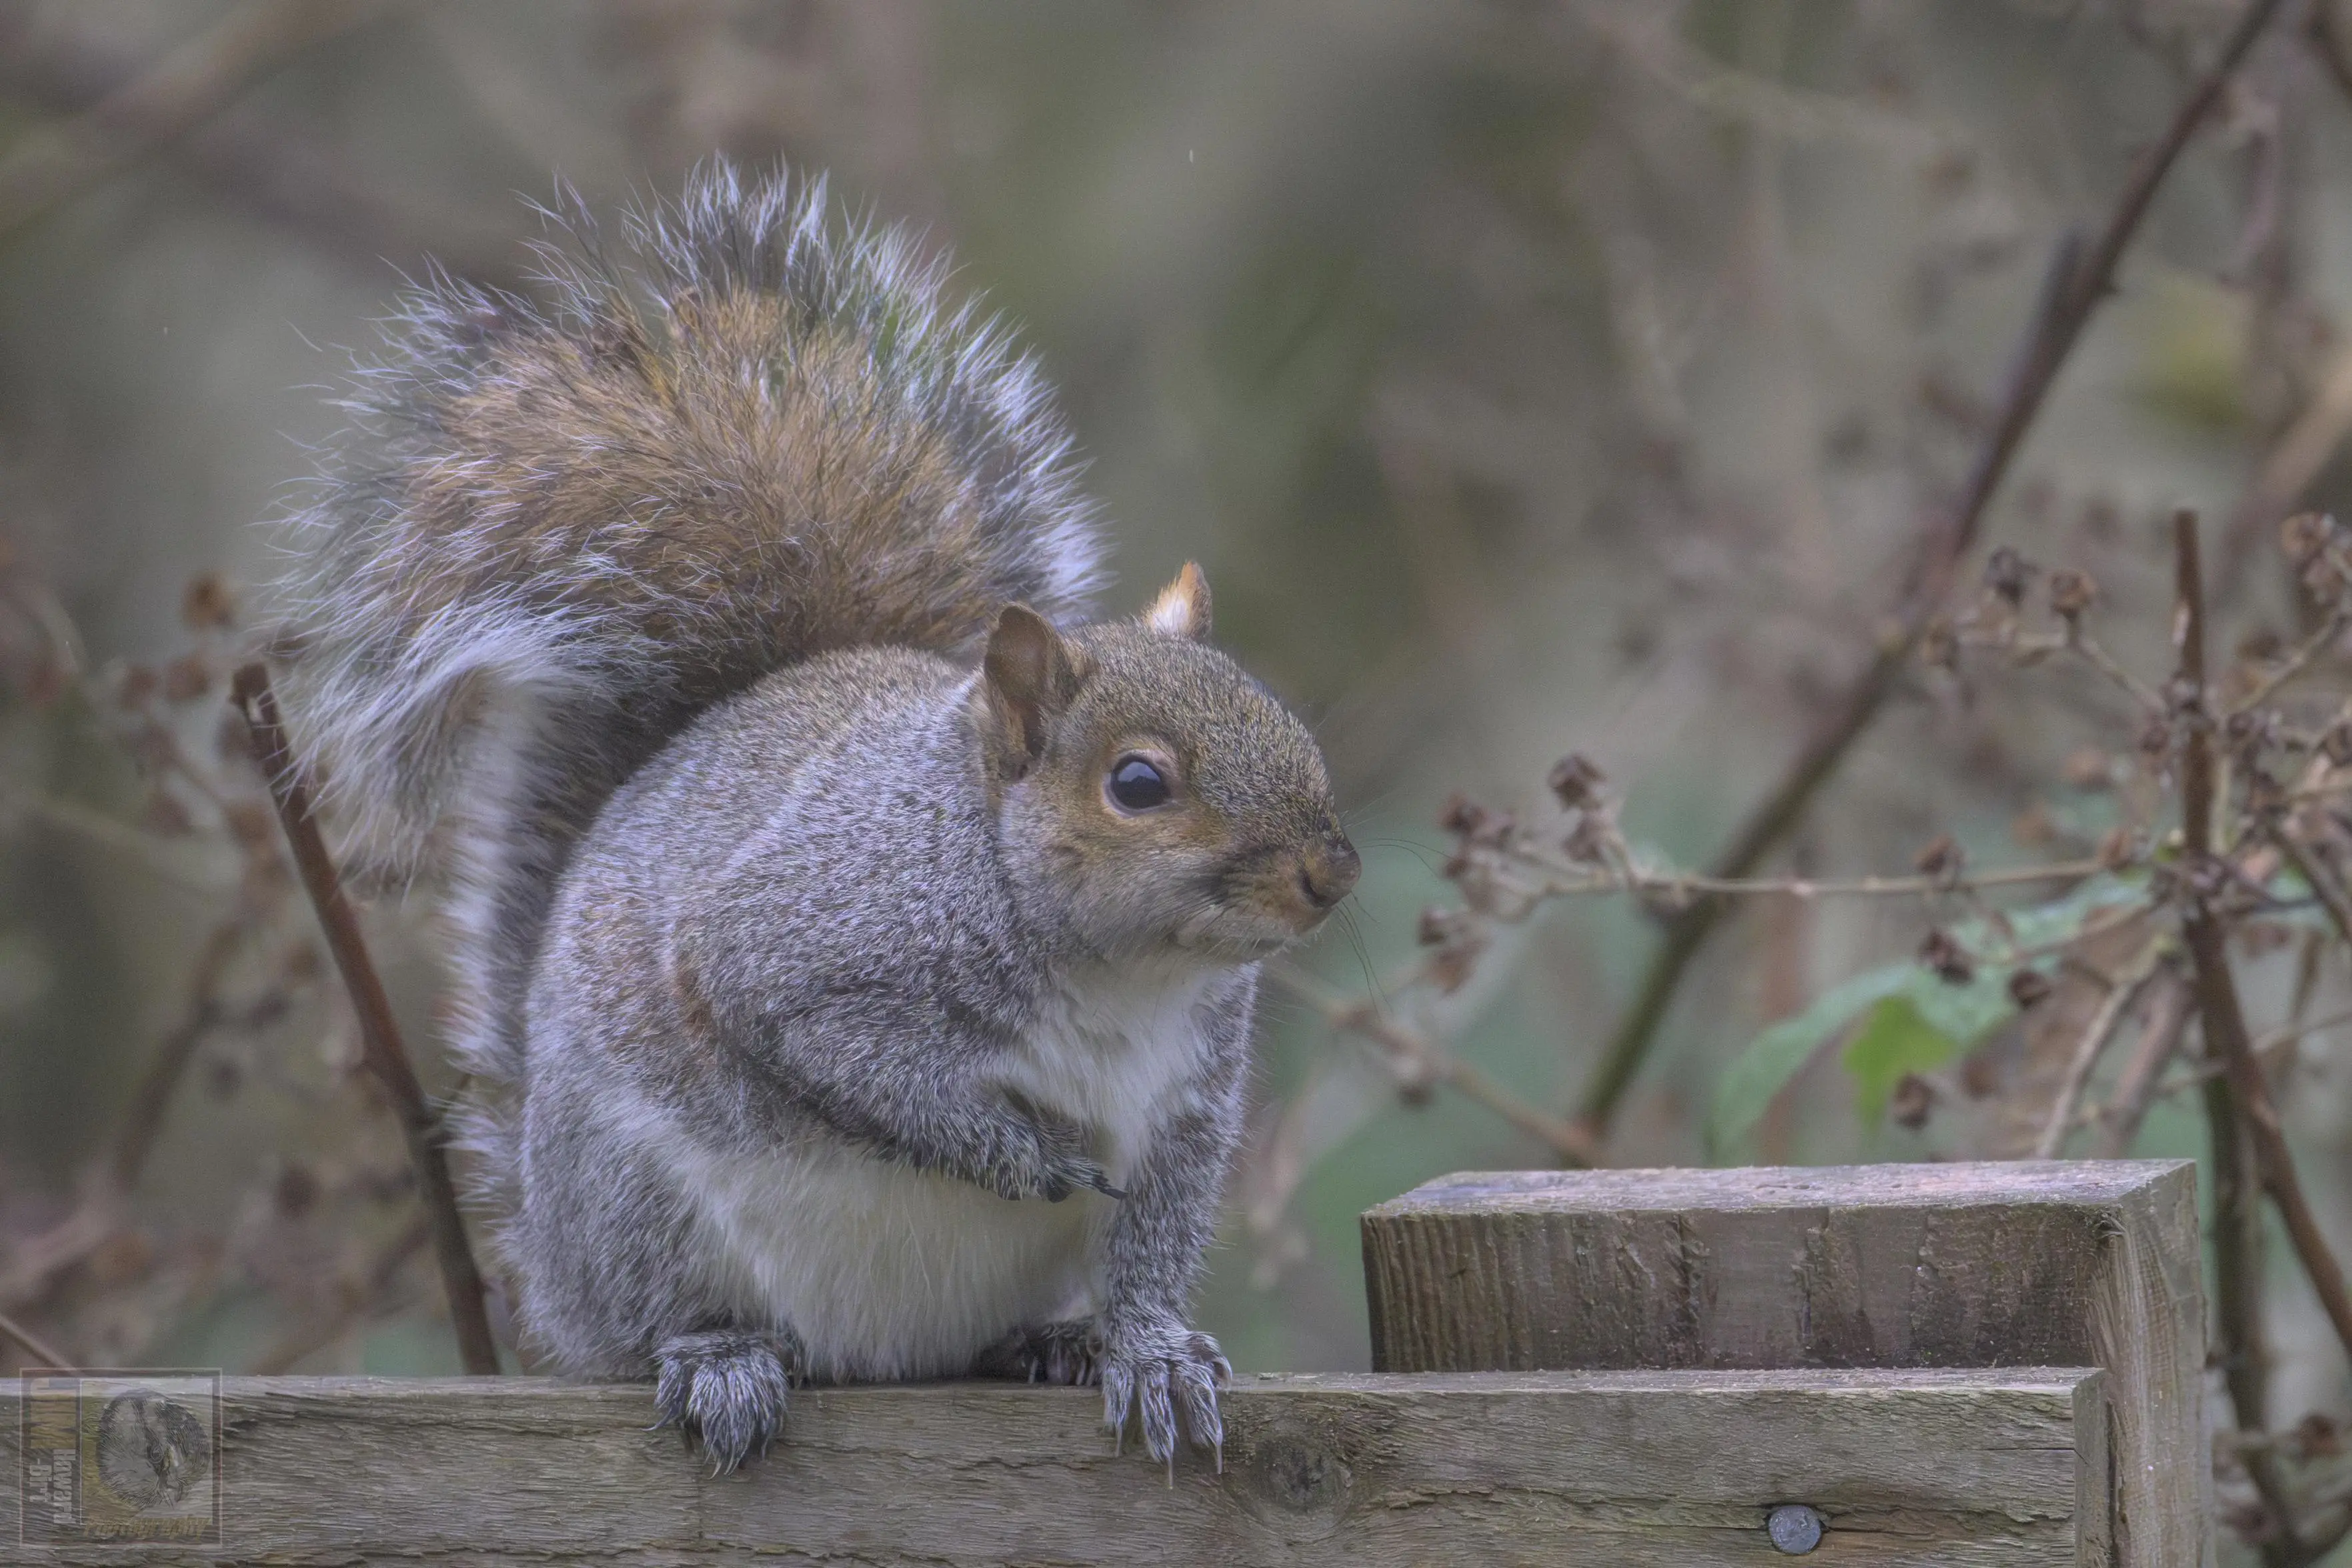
{"x":1483,"y":1440}
{"x":2096,"y":1262}
{"x":1632,"y":1469}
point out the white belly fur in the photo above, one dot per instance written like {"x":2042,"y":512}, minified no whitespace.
{"x":887,"y":1273}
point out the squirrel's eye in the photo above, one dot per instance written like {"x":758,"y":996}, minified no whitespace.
{"x":1137,"y":785}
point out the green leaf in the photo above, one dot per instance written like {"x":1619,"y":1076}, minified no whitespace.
{"x":1962,"y":1014}
{"x":1896,"y":1040}
{"x":1760,"y":1072}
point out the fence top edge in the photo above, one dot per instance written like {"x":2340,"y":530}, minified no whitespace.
{"x":1698,"y":1382}
{"x":1956,"y":1184}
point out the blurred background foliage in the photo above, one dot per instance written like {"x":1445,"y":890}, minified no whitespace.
{"x":1530,"y":377}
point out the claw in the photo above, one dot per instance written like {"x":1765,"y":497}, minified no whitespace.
{"x":1119,"y":1398}
{"x":1173,"y":1390}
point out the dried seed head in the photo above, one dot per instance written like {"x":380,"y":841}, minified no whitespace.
{"x":45,"y":681}
{"x":2320,"y":580}
{"x":1943,"y":857}
{"x":1912,"y":1102}
{"x":1462,"y":815}
{"x":2071,"y":592}
{"x":1577,"y":781}
{"x":2319,"y":1435}
{"x":224,"y":1076}
{"x":2007,"y":575}
{"x":296,"y":1190}
{"x":1587,"y":844}
{"x":1950,"y":961}
{"x":2265,"y":796}
{"x":2028,"y":987}
{"x":2260,"y":645}
{"x":251,"y":823}
{"x":207,"y":603}
{"x":165,"y":816}
{"x":2119,"y":849}
{"x":1450,"y":965}
{"x":135,"y":685}
{"x":1939,"y":645}
{"x":2087,"y":767}
{"x":2155,"y":737}
{"x":186,"y":678}
{"x":2305,"y":535}
{"x":1436,"y":925}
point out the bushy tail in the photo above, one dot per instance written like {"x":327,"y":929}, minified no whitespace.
{"x":562,"y":524}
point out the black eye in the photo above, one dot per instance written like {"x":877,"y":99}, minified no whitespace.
{"x":1136,"y":785}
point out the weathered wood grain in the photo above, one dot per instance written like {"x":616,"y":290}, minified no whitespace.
{"x":2093,"y":1262}
{"x":1964,"y":1468}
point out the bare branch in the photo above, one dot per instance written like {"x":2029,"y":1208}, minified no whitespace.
{"x":2137,"y":1088}
{"x":378,"y":1033}
{"x":2122,"y":991}
{"x":48,"y":1355}
{"x":52,"y":163}
{"x":358,"y":1305}
{"x":2071,"y":293}
{"x":160,"y":1082}
{"x":256,"y":162}
{"x":1420,"y":1060}
{"x":157,"y":855}
{"x":2297,"y":658}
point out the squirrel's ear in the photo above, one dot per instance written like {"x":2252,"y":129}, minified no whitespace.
{"x":1182,"y":607}
{"x":1031,"y":675}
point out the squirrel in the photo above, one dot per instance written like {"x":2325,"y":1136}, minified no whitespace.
{"x":856,"y":945}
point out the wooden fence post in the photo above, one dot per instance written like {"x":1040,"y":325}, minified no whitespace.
{"x":2030,"y":1262}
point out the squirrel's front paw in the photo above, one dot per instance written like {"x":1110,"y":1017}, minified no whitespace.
{"x":1161,"y":1372}
{"x":1054,"y":1163}
{"x":729,"y":1387}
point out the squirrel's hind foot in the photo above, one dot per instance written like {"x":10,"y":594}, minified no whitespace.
{"x":729,"y":1387}
{"x":1066,"y":1353}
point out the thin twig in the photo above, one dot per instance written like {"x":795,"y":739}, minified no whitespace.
{"x":50,"y":1356}
{"x":195,"y":81}
{"x":254,"y":160}
{"x":2324,"y":886}
{"x":2070,"y":294}
{"x":2328,"y":41}
{"x":2094,"y":653}
{"x":2160,"y":1041}
{"x":1422,"y":1059}
{"x":378,"y":1034}
{"x":2297,"y":658}
{"x":156,"y":853}
{"x":1684,"y":886}
{"x":2122,"y":991}
{"x":160,"y":1082}
{"x":359,"y":1305}
{"x":38,"y":1261}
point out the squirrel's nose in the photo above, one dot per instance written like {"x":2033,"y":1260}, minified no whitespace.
{"x":1329,"y":869}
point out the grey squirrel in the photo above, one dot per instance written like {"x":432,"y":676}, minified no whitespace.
{"x":859,"y":948}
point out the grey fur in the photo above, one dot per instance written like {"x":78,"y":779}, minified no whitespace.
{"x":838,"y":1026}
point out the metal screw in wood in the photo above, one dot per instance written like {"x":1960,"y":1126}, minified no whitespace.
{"x":1794,"y":1528}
